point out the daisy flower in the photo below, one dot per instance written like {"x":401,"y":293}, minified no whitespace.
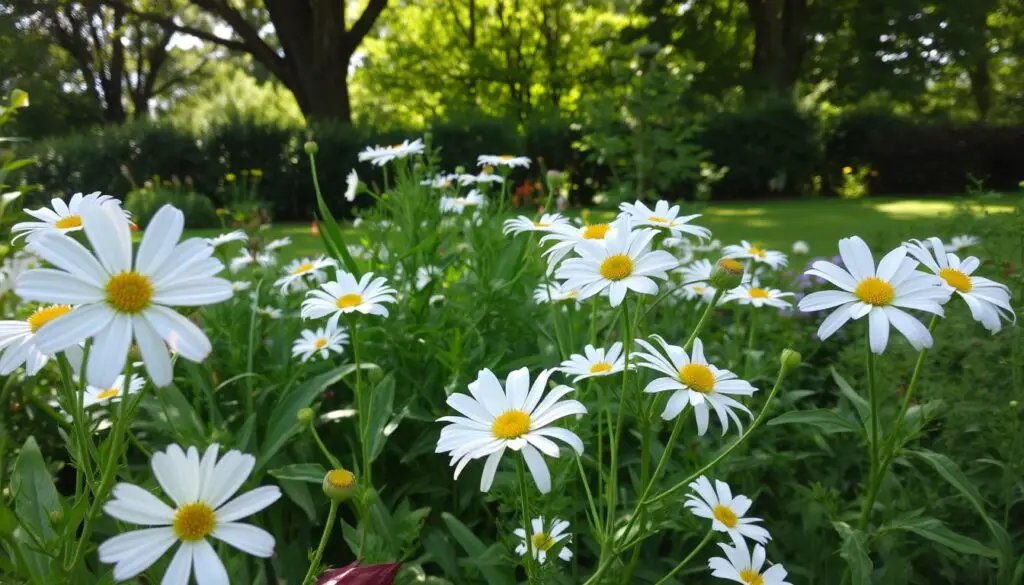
{"x":324,"y":340}
{"x":958,"y":243}
{"x":240,"y":285}
{"x":753,"y":294}
{"x":624,"y":262}
{"x":745,"y":249}
{"x":800,"y":247}
{"x":64,"y":217}
{"x":114,"y":393}
{"x":346,"y":295}
{"x":988,"y":300}
{"x":516,"y":417}
{"x":425,"y":275}
{"x":698,"y":290}
{"x":483,"y":177}
{"x":459,"y":204}
{"x":567,"y":236}
{"x":712,"y":246}
{"x":595,"y":362}
{"x":683,"y":248}
{"x":727,"y":513}
{"x":118,"y":300}
{"x":878,"y":293}
{"x":268,"y":311}
{"x":695,"y":382}
{"x":743,"y":567}
{"x":441,"y":181}
{"x":548,"y":222}
{"x":665,"y":217}
{"x":299,"y":271}
{"x":235,"y":236}
{"x":18,"y":340}
{"x":201,"y":490}
{"x":15,"y":264}
{"x":545,"y":293}
{"x":381,"y":155}
{"x":351,"y":184}
{"x":545,"y":541}
{"x":278,"y":243}
{"x":502,"y":160}
{"x":697,"y":271}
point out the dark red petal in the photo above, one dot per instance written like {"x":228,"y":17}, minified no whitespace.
{"x":356,"y":574}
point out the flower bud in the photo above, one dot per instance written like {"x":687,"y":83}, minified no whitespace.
{"x":726,"y":275}
{"x":339,"y":484}
{"x":305,"y":416}
{"x":310,"y":147}
{"x":790,"y":359}
{"x":1014,"y":404}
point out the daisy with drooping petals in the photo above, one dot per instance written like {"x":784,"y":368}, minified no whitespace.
{"x":753,"y":293}
{"x":114,"y":393}
{"x":381,"y":155}
{"x":202,"y":490}
{"x":727,"y":513}
{"x":664,"y":217}
{"x":347,"y":295}
{"x":695,"y":382}
{"x":299,"y":272}
{"x":566,"y":236}
{"x":958,"y":243}
{"x":878,"y":293}
{"x":544,"y":539}
{"x":554,"y":292}
{"x":18,"y":340}
{"x":595,"y":362}
{"x":624,"y":262}
{"x":246,"y":258}
{"x":351,"y":185}
{"x":548,"y":222}
{"x":440,"y":181}
{"x":743,"y":567}
{"x":278,"y":243}
{"x":745,"y":249}
{"x":235,"y":236}
{"x":483,"y":177}
{"x":64,"y":217}
{"x":459,"y":204}
{"x":516,"y":417}
{"x":705,"y":293}
{"x":324,"y":340}
{"x":118,"y":300}
{"x":988,"y":300}
{"x":502,"y":160}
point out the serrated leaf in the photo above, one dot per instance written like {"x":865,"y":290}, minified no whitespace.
{"x":824,"y":420}
{"x":934,"y":530}
{"x":855,"y":551}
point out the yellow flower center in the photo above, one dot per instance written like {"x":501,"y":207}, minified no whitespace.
{"x":108,"y":393}
{"x":511,"y":425}
{"x":194,"y":522}
{"x":750,"y":577}
{"x":595,"y":231}
{"x":349,"y":300}
{"x":699,"y":289}
{"x":129,"y":292}
{"x":542,"y":542}
{"x":725,"y":515}
{"x":340,"y":478}
{"x":730,"y":265}
{"x":616,"y":267}
{"x":320,"y":343}
{"x":758,"y":293}
{"x":657,"y":219}
{"x":302,"y":268}
{"x":875,"y":291}
{"x":44,"y":315}
{"x":541,"y":225}
{"x":506,"y":157}
{"x":698,"y":377}
{"x":755,"y":251}
{"x":69,"y":222}
{"x":600,"y":368}
{"x":956,"y":279}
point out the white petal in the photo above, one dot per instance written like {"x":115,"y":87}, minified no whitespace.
{"x":246,"y":538}
{"x":108,"y":232}
{"x":68,"y":255}
{"x":109,"y":352}
{"x":538,"y":468}
{"x":169,"y":469}
{"x":73,"y":328}
{"x":230,"y":473}
{"x":180,"y":568}
{"x":878,"y":329}
{"x":180,"y":334}
{"x":53,"y":286}
{"x":194,"y":292}
{"x":207,"y":565}
{"x":130,"y":503}
{"x":154,"y":353}
{"x":248,"y":503}
{"x":490,"y":468}
{"x":159,"y":239}
{"x":149,"y":545}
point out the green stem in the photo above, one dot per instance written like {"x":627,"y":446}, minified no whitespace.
{"x":528,"y":563}
{"x":314,"y":564}
{"x":750,"y":340}
{"x":689,"y":557}
{"x":335,"y":463}
{"x":703,"y":320}
{"x":615,"y":435}
{"x":874,"y":481}
{"x":593,"y":517}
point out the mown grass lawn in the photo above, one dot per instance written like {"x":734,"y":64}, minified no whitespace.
{"x":777,"y":224}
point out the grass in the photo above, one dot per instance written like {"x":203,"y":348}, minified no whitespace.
{"x":776,"y":224}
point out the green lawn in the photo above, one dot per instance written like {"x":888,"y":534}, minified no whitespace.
{"x":819,"y":222}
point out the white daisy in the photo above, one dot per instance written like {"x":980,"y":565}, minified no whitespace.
{"x":441,"y":181}
{"x":503,"y":160}
{"x":697,"y":271}
{"x":988,"y":300}
{"x":235,"y":236}
{"x":727,"y":513}
{"x":664,"y":217}
{"x":543,"y":539}
{"x":695,"y":382}
{"x":14,"y":265}
{"x":18,"y":340}
{"x":548,"y":222}
{"x":743,"y":567}
{"x":958,"y":243}
{"x":425,"y":275}
{"x":712,"y":246}
{"x":566,"y":237}
{"x":877,"y":293}
{"x":800,"y":247}
{"x":201,"y":490}
{"x":624,"y":262}
{"x":514,"y":417}
{"x":300,"y":272}
{"x":114,"y":393}
{"x":269,"y":311}
{"x":324,"y":340}
{"x":118,"y":300}
{"x":683,"y":248}
{"x":595,"y":362}
{"x":754,"y":294}
{"x":381,"y":155}
{"x":545,"y":293}
{"x":240,"y":285}
{"x":483,"y":177}
{"x":745,"y":249}
{"x":278,"y":243}
{"x":64,"y":217}
{"x":346,"y":295}
{"x":459,"y":204}
{"x":351,"y":184}
{"x":698,"y":290}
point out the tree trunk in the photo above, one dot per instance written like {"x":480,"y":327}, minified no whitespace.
{"x":780,"y":42}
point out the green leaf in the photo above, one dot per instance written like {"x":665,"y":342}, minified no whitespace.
{"x":35,"y":497}
{"x":380,"y":412}
{"x":307,"y":472}
{"x":475,"y":548}
{"x":945,"y":467}
{"x":827,"y":421}
{"x":860,"y":404}
{"x":330,"y":232}
{"x":934,"y":530}
{"x":442,"y":553}
{"x":855,"y":551}
{"x":298,"y":492}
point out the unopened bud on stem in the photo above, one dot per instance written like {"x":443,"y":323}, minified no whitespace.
{"x":726,"y":275}
{"x":339,"y":484}
{"x":790,"y":359}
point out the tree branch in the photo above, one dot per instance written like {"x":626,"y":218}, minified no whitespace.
{"x":365,"y":22}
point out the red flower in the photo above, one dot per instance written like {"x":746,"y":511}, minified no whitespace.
{"x":356,"y":574}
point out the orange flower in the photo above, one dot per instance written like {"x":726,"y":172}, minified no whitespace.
{"x":314,"y":228}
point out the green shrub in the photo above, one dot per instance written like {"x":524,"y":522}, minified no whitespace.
{"x":144,"y":202}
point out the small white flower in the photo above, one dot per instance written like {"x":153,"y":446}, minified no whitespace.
{"x":712,"y":246}
{"x":245,"y":258}
{"x":566,"y":237}
{"x":548,"y":222}
{"x":543,"y":540}
{"x":459,"y":204}
{"x":664,"y":217}
{"x":346,"y":295}
{"x":299,"y":272}
{"x":727,"y":513}
{"x":64,"y":217}
{"x":754,"y":294}
{"x":268,"y":311}
{"x":321,"y":341}
{"x":483,"y":177}
{"x":988,"y":300}
{"x":595,"y":362}
{"x":960,"y":242}
{"x":743,"y":567}
{"x":425,"y":275}
{"x":235,"y":236}
{"x":516,"y":417}
{"x":545,"y":293}
{"x":278,"y":243}
{"x":381,"y":155}
{"x":114,"y":393}
{"x":240,"y":285}
{"x":503,"y":160}
{"x":683,"y":248}
{"x":14,"y":265}
{"x":201,"y":490}
{"x":695,"y":382}
{"x":800,"y":247}
{"x":745,"y":249}
{"x":17,"y":340}
{"x":441,"y":181}
{"x":351,"y":184}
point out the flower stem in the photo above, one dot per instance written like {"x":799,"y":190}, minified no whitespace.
{"x":615,"y":435}
{"x":335,"y":463}
{"x":873,"y":446}
{"x":524,"y":501}
{"x":682,"y":564}
{"x":314,"y":564}
{"x":703,"y":320}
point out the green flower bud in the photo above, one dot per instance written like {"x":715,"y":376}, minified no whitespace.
{"x":726,"y":275}
{"x":790,"y":359}
{"x":310,"y":147}
{"x":1014,"y":404}
{"x":339,"y":484}
{"x":305,"y":416}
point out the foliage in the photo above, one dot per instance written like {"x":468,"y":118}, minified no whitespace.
{"x":145,"y":200}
